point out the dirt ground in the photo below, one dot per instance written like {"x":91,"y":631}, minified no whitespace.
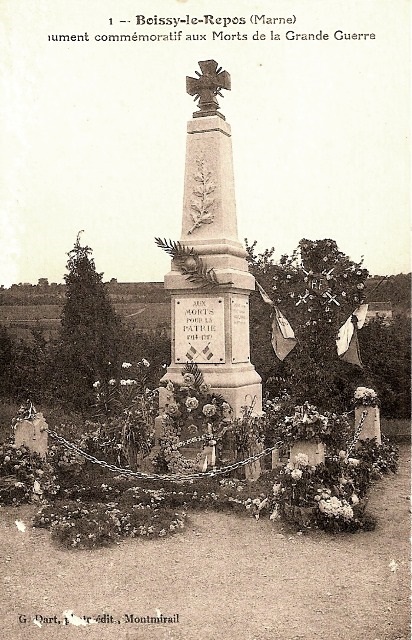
{"x":226,"y":577}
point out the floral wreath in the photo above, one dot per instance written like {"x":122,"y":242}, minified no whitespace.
{"x":205,"y":415}
{"x":364,"y":397}
{"x":306,"y":424}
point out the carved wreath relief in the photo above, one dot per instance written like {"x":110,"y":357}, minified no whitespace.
{"x":202,"y":201}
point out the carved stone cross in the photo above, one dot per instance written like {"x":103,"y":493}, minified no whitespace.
{"x":207,"y":86}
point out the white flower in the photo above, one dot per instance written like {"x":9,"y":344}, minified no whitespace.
{"x":335,"y":502}
{"x":191,"y":403}
{"x":302,"y":459}
{"x":354,"y":499}
{"x":296,"y":474}
{"x":145,"y":362}
{"x":209,"y":410}
{"x":188,"y":379}
{"x":96,"y":384}
{"x":126,"y":365}
{"x":353,"y":462}
{"x":112,"y":382}
{"x":324,"y":506}
{"x":347,"y":512}
{"x":365,"y":393}
{"x":172,"y":409}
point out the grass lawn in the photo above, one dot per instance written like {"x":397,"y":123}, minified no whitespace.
{"x":226,"y":576}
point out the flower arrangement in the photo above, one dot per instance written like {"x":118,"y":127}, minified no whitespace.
{"x":332,"y":496}
{"x":86,"y":526}
{"x":194,"y":413}
{"x":334,"y":507}
{"x":320,"y":496}
{"x":24,"y":475}
{"x":306,"y":424}
{"x":376,"y":459}
{"x":194,"y":407}
{"x":288,"y":423}
{"x":248,"y":431}
{"x":65,"y":460}
{"x":169,"y":458}
{"x":126,"y":409}
{"x":365,"y":397}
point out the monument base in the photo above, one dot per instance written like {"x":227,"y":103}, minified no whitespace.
{"x":239,"y":384}
{"x":314,"y":450}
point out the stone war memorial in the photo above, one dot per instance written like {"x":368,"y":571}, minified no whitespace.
{"x":210,"y":323}
{"x":202,"y":437}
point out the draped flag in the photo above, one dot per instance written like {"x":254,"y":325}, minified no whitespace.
{"x":347,"y":341}
{"x":283,"y":336}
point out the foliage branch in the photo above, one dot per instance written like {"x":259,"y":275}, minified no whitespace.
{"x":190,"y":263}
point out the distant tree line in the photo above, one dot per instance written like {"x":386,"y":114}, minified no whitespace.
{"x":54,"y":294}
{"x":395,"y":289}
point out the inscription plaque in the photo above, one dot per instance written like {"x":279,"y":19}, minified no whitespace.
{"x":199,"y":330}
{"x":240,"y":328}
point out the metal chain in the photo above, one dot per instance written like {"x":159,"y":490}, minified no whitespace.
{"x":192,"y":476}
{"x":357,"y":433}
{"x":157,"y":476}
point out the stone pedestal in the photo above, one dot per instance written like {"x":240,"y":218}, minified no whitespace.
{"x":210,"y":325}
{"x":275,"y":459}
{"x":32,"y":434}
{"x":314,"y":450}
{"x":372,"y":424}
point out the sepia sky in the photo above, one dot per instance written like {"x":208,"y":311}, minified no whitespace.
{"x":93,"y":133}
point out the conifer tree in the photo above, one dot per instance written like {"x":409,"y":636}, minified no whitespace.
{"x":89,"y":339}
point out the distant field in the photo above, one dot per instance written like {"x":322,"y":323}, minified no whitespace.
{"x":20,"y":319}
{"x":28,"y":313}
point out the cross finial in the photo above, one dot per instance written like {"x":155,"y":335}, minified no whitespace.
{"x":207,"y":86}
